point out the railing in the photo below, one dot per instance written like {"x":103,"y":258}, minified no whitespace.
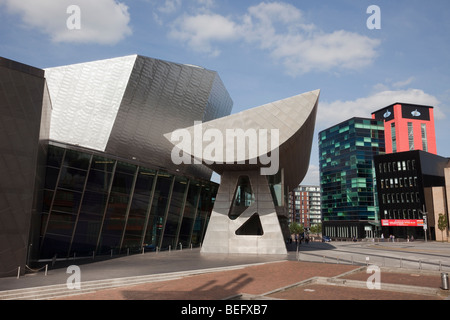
{"x":366,"y":259}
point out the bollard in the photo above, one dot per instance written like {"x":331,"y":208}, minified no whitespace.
{"x":46,"y":269}
{"x":18,"y":272}
{"x":444,"y":281}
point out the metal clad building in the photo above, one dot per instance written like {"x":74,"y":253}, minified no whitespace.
{"x":85,"y":167}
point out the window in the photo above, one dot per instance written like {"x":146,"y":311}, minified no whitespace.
{"x":423,"y":129}
{"x":393,"y":137}
{"x":410,"y":136}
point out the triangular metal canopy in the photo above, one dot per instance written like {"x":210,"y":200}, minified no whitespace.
{"x":293,"y":119}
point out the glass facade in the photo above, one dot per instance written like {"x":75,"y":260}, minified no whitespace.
{"x":95,"y":204}
{"x":346,"y":151}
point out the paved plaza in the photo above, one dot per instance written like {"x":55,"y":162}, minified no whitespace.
{"x":316,"y":271}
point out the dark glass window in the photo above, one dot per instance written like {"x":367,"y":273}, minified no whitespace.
{"x":125,"y":167}
{"x":174,"y":213}
{"x":61,"y":223}
{"x":159,"y":205}
{"x":51,"y":178}
{"x":190,"y":211}
{"x":66,"y":201}
{"x":98,"y":180}
{"x":76,"y":159}
{"x":122,"y":183}
{"x":103,"y":164}
{"x":144,"y":182}
{"x":55,"y":245}
{"x":114,"y":222}
{"x":48,"y":197}
{"x":55,"y":156}
{"x":136,"y":221}
{"x":94,"y":202}
{"x":72,"y":179}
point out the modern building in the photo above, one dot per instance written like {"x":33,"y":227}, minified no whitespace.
{"x":25,"y":111}
{"x":261,"y":154}
{"x":412,"y":193}
{"x":408,"y":127}
{"x":304,"y":206}
{"x":85,"y":166}
{"x":348,"y":190}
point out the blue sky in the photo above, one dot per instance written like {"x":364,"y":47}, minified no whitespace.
{"x":263,"y":50}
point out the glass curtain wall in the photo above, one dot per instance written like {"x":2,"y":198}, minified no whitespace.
{"x":97,"y":205}
{"x":346,"y":169}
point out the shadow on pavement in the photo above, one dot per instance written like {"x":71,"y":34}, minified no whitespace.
{"x":311,"y":246}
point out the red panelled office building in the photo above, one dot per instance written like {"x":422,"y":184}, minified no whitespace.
{"x":408,"y":127}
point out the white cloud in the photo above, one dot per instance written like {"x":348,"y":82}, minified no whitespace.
{"x":338,"y":111}
{"x":400,"y":84}
{"x":278,"y":28}
{"x":102,"y":21}
{"x":312,"y":176}
{"x":201,"y":30}
{"x":170,"y":6}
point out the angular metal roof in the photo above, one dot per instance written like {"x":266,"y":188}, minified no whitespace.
{"x":123,"y":106}
{"x":294,"y":120}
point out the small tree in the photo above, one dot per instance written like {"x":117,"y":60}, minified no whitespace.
{"x":442,"y":224}
{"x":295,"y":228}
{"x":316,"y":228}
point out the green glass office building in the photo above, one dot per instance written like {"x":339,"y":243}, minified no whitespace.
{"x":348,"y":190}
